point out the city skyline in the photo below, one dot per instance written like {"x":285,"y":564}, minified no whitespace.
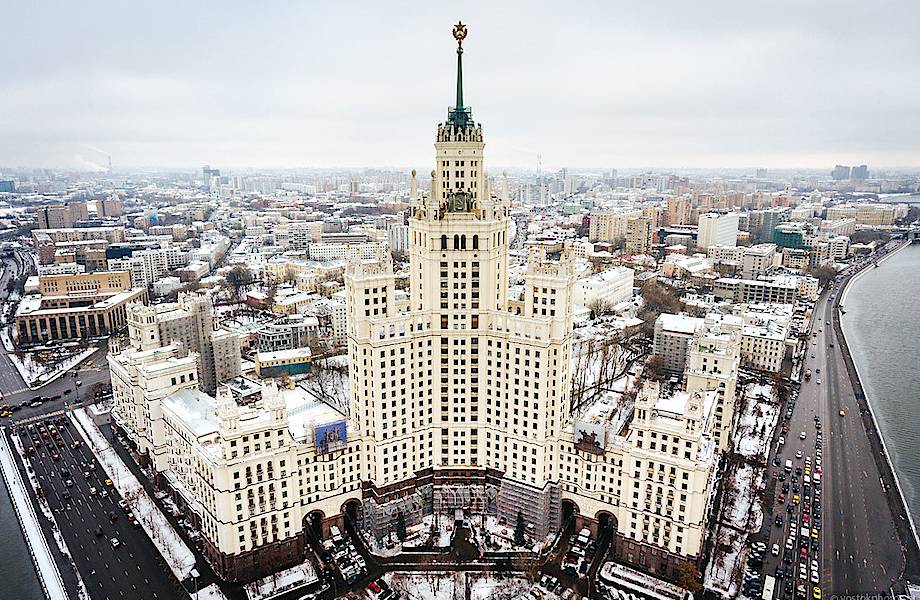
{"x":299,"y":87}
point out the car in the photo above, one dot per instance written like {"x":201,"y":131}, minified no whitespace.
{"x":55,"y":457}
{"x":68,"y":390}
{"x":816,"y":593}
{"x":108,"y":482}
{"x":818,"y":381}
{"x":781,"y":499}
{"x":75,"y":445}
{"x":68,"y":482}
{"x":113,"y":517}
{"x":842,"y":413}
{"x":779,"y":521}
{"x":803,"y":572}
{"x":782,"y":440}
{"x":35,"y":404}
{"x":79,"y":383}
{"x":98,"y":531}
{"x":66,"y":495}
{"x":115,"y":543}
{"x":92,"y":491}
{"x":798,"y":454}
{"x":831,"y":344}
{"x":803,"y":435}
{"x":775,"y":550}
{"x":814,"y":577}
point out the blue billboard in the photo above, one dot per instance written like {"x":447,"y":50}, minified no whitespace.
{"x":330,"y":437}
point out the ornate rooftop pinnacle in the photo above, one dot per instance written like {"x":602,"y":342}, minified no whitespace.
{"x":459,"y":115}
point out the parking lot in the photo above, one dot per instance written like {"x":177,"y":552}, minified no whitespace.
{"x":113,"y":555}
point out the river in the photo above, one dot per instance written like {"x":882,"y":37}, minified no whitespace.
{"x":882,"y":329}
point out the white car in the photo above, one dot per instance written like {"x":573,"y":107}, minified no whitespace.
{"x":782,"y":440}
{"x":802,"y":436}
{"x":798,"y":454}
{"x":814,"y":577}
{"x":819,"y":382}
{"x":775,"y":550}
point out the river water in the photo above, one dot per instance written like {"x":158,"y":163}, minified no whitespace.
{"x":17,"y":572}
{"x":882,"y":327}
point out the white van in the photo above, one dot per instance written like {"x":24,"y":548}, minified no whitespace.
{"x":788,"y":465}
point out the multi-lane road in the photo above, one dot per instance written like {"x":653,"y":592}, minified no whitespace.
{"x":115,"y":559}
{"x":859,"y":549}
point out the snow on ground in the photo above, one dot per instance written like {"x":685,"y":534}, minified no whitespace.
{"x":440,"y":585}
{"x":212,"y":592}
{"x":35,"y":539}
{"x":741,"y":504}
{"x":174,"y":551}
{"x":35,"y":373}
{"x":722,"y":571}
{"x":281,"y":582}
{"x":631,"y":580}
{"x":494,"y":536}
{"x":757,"y":420}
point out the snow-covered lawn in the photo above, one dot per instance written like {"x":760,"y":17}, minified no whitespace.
{"x":494,"y":536}
{"x":757,"y":418}
{"x":723,"y":568}
{"x":416,"y":535}
{"x":440,"y":585}
{"x":174,"y":551}
{"x":281,"y":582}
{"x":36,"y":373}
{"x":741,"y":504}
{"x":212,"y":592}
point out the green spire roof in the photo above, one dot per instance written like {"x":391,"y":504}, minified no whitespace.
{"x":459,"y":115}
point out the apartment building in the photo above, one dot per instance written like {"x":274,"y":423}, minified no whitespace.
{"x":779,"y":290}
{"x":716,"y":229}
{"x":638,"y":236}
{"x":61,"y":216}
{"x":452,"y":403}
{"x":712,"y":365}
{"x":671,"y":341}
{"x":188,"y":322}
{"x":610,"y":226}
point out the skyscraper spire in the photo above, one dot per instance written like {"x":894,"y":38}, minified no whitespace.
{"x":459,"y":115}
{"x":459,"y":35}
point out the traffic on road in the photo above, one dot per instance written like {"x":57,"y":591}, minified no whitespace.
{"x":113,"y":554}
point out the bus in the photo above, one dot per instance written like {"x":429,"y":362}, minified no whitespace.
{"x":768,"y":584}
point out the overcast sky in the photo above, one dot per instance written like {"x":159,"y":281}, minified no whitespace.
{"x":593,"y":84}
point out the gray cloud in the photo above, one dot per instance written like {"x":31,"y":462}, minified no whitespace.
{"x":614,"y":84}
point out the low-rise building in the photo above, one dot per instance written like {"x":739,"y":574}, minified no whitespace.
{"x":85,"y":305}
{"x":295,"y":361}
{"x":610,"y":287}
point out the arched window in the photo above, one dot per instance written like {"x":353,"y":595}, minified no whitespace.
{"x":456,"y":242}
{"x":463,"y":242}
{"x":475,"y":242}
{"x":443,"y":242}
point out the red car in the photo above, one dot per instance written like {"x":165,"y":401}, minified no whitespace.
{"x":373,"y":587}
{"x":781,"y":498}
{"x":55,"y":456}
